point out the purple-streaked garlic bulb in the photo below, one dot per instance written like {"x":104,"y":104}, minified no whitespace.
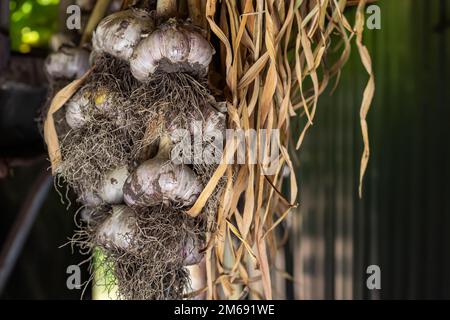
{"x":171,"y":48}
{"x":119,"y":33}
{"x":158,"y":181}
{"x":119,"y":229}
{"x":67,"y":63}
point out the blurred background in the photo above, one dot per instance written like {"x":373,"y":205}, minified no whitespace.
{"x":401,"y":224}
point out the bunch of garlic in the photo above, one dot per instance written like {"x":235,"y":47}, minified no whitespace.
{"x":132,"y":37}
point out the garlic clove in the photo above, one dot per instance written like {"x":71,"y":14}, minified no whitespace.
{"x":111,"y":190}
{"x":158,"y":181}
{"x":119,"y":229}
{"x":119,"y":33}
{"x":67,"y":63}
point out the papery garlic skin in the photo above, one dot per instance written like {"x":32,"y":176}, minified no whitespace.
{"x":67,"y":63}
{"x":119,"y":33}
{"x":191,"y":252}
{"x":112,"y":185}
{"x":76,"y":116}
{"x":172,"y":48}
{"x":158,"y":181}
{"x":119,"y":229}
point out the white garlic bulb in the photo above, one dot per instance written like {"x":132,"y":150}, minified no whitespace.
{"x":191,"y":252}
{"x":111,"y":188}
{"x":119,"y":33}
{"x":119,"y":229}
{"x":158,"y":181}
{"x":90,"y":199}
{"x":76,"y":108}
{"x":67,"y":63}
{"x":85,"y":5}
{"x":172,"y":48}
{"x":59,"y":40}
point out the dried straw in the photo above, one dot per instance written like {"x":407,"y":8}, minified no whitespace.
{"x":273,"y":55}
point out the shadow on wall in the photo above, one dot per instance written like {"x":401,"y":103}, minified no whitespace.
{"x":402,"y":222}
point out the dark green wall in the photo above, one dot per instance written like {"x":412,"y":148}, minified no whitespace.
{"x":403,"y":222}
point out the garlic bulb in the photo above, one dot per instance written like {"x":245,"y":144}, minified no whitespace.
{"x":119,"y":33}
{"x":191,"y":252}
{"x":76,"y":115}
{"x":58,"y":40}
{"x":111,"y":189}
{"x":159,"y":181}
{"x":86,"y":215}
{"x":68,"y":63}
{"x":119,"y":229}
{"x":90,"y":199}
{"x":172,"y":48}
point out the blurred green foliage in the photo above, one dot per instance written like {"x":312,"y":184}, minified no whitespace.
{"x":32,"y":23}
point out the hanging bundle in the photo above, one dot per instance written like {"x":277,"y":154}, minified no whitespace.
{"x":148,"y":83}
{"x":116,"y":141}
